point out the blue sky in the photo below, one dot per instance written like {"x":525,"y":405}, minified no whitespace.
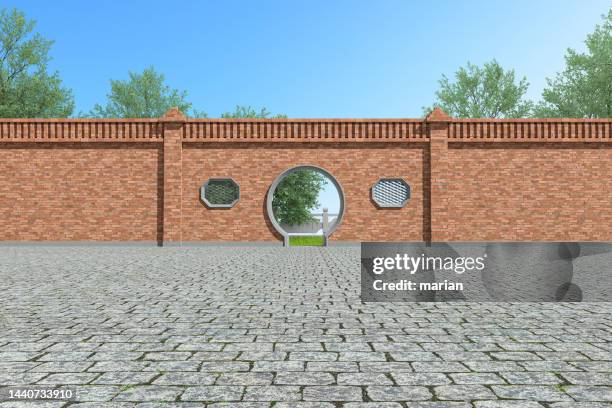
{"x":309,"y":58}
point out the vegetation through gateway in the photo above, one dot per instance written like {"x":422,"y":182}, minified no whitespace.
{"x":297,"y":195}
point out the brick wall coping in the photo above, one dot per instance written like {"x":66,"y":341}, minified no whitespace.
{"x":534,"y":120}
{"x":79,"y":120}
{"x":306,"y":130}
{"x":304,"y":120}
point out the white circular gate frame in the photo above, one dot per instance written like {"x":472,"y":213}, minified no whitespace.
{"x":277,"y":181}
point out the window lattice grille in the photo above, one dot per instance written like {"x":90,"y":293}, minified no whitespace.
{"x":221,"y":193}
{"x":391,"y":193}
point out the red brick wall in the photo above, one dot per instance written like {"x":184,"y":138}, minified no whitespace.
{"x":139,"y":179}
{"x":79,"y":192}
{"x":522,"y":192}
{"x":255,"y":166}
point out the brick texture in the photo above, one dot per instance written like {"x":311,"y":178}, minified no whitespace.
{"x":255,"y":166}
{"x":471,"y":180}
{"x":79,"y":192}
{"x":530,"y":192}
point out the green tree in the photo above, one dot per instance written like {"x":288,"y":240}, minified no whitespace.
{"x":487,"y":92}
{"x":296,"y":195}
{"x":242,"y":111}
{"x":584,"y":88}
{"x":143,"y":95}
{"x":27,"y":89}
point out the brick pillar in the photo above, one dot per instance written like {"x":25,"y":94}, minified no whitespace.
{"x":173,"y":122}
{"x":438,"y":123}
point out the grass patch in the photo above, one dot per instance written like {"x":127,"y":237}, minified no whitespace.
{"x":306,"y":240}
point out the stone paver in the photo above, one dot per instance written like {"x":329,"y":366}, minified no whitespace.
{"x":149,"y":393}
{"x":332,"y":393}
{"x":125,"y":377}
{"x":185,"y":378}
{"x":463,"y":392}
{"x":245,"y":379}
{"x":372,"y":405}
{"x":421,"y":378}
{"x":531,"y":392}
{"x":363,"y":379}
{"x":262,"y":327}
{"x":402,"y":393}
{"x":477,"y":378}
{"x":213,"y":393}
{"x":273,"y":393}
{"x":300,"y":378}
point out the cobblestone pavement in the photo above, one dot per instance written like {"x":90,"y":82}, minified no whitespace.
{"x":284,"y":328}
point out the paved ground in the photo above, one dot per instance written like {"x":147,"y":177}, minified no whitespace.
{"x":271,"y":327}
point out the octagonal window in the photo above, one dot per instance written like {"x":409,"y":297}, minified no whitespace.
{"x":391,"y":193}
{"x":220,"y":193}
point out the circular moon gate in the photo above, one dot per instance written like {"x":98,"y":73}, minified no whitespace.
{"x":280,"y":178}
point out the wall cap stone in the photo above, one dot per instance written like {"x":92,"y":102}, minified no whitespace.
{"x":438,"y":115}
{"x":173,"y":115}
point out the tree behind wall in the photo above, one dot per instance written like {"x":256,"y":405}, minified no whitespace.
{"x":27,"y":89}
{"x":584,"y":88}
{"x":243,"y":111}
{"x":296,"y":195}
{"x":143,"y":95}
{"x":483,"y":92}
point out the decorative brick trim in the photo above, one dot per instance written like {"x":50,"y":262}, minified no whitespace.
{"x":306,"y":130}
{"x":544,"y":130}
{"x":71,"y":130}
{"x":337,"y":130}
